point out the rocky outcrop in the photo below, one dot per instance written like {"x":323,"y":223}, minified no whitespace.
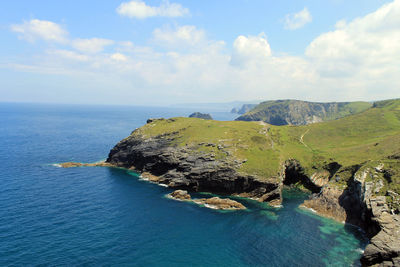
{"x":181,"y":195}
{"x":358,"y":203}
{"x":220,"y":203}
{"x":384,"y":247}
{"x":78,"y":164}
{"x":199,"y":115}
{"x":187,"y":167}
{"x":296,"y":112}
{"x":212,"y":203}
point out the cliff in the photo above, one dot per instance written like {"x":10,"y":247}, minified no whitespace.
{"x":352,"y":165}
{"x":296,"y":112}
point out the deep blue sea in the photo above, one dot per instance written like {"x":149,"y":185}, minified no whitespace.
{"x":96,"y":216}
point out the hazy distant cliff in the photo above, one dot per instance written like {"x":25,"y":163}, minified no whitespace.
{"x":243,"y":109}
{"x":296,"y":112}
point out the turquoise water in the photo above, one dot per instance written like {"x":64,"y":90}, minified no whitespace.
{"x":52,"y":216}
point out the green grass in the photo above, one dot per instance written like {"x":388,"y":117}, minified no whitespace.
{"x":368,"y":136}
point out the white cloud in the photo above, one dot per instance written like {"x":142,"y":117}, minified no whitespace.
{"x":70,"y":55}
{"x":250,"y":49}
{"x":91,"y":46}
{"x":40,"y":29}
{"x":367,"y":46}
{"x":139,"y":9}
{"x":181,"y":36}
{"x":119,"y":57}
{"x":358,"y":60}
{"x":297,"y":20}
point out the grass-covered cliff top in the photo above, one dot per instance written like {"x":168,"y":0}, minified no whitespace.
{"x":367,"y":136}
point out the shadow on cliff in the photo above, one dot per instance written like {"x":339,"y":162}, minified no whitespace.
{"x":356,"y":210}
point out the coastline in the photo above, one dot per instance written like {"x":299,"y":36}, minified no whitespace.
{"x":148,"y":177}
{"x":327,"y":206}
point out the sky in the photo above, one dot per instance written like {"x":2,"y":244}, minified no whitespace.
{"x":159,"y":52}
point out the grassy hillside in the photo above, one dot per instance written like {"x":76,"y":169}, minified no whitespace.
{"x":371,"y":136}
{"x":296,"y":112}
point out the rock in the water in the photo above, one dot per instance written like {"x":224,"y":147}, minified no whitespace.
{"x":220,"y":203}
{"x":212,"y":203}
{"x":180,"y":195}
{"x":78,"y":164}
{"x":199,"y":115}
{"x":71,"y":164}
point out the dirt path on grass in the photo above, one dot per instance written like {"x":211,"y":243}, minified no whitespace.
{"x":302,"y":137}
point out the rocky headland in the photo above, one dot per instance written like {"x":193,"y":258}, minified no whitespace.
{"x":190,"y":168}
{"x":351,"y":166}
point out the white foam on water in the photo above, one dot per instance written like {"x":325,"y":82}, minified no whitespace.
{"x":210,"y":206}
{"x":359,"y":250}
{"x":143,"y":178}
{"x":310,"y":209}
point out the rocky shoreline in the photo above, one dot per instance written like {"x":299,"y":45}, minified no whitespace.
{"x":358,"y":205}
{"x":353,"y":205}
{"x":354,"y":201}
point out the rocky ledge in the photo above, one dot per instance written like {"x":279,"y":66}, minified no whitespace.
{"x":212,"y":203}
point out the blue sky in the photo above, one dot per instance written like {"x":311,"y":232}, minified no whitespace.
{"x":165,"y":52}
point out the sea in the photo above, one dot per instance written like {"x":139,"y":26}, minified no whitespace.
{"x":97,"y":216}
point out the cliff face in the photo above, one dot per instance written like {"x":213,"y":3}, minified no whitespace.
{"x":295,"y":112}
{"x":188,"y":168}
{"x":362,"y":202}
